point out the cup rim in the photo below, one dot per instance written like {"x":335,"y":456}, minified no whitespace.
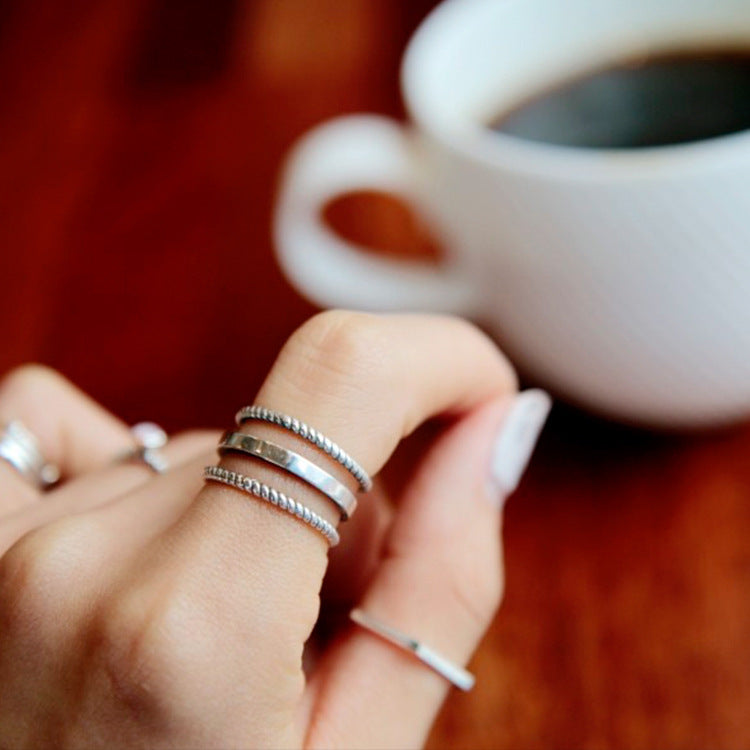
{"x":553,"y":160}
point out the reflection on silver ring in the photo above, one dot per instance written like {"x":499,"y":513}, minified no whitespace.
{"x":445,"y":668}
{"x":311,"y":435}
{"x":20,"y":448}
{"x":295,"y":464}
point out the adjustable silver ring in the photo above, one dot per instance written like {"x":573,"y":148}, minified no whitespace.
{"x":444,"y":667}
{"x":311,"y":435}
{"x":273,"y":497}
{"x":20,"y":448}
{"x":295,"y":464}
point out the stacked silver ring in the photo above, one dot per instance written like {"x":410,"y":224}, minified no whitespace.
{"x":321,"y":480}
{"x":20,"y":448}
{"x":311,"y":435}
{"x":294,"y":463}
{"x":274,"y":497}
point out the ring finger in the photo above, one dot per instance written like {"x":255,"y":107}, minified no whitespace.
{"x":72,"y":432}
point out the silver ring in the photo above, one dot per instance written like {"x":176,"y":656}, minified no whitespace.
{"x":295,"y":464}
{"x":311,"y":435}
{"x":150,"y":438}
{"x":275,"y":498}
{"x":20,"y":448}
{"x":444,"y":667}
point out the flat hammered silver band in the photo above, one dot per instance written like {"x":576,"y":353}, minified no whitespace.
{"x":273,"y":497}
{"x":20,"y":448}
{"x":311,"y":435}
{"x":295,"y":464}
{"x":456,"y":675}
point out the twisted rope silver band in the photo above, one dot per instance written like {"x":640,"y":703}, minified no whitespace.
{"x":273,"y":497}
{"x":295,"y":464}
{"x":311,"y":435}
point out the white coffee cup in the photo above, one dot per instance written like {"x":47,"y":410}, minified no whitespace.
{"x":619,"y":279}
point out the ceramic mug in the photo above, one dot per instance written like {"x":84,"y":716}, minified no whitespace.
{"x":619,"y":279}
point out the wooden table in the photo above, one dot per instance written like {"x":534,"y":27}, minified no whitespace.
{"x":139,"y":147}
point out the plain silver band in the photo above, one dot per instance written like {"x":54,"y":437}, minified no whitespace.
{"x":20,"y":448}
{"x":452,"y":672}
{"x":275,"y":498}
{"x":311,"y":435}
{"x":295,"y":464}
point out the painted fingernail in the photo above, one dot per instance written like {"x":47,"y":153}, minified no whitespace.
{"x":516,"y":440}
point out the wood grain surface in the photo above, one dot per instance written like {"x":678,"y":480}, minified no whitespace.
{"x":140,"y":142}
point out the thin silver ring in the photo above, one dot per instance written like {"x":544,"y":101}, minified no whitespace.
{"x":295,"y":464}
{"x":20,"y":448}
{"x":311,"y":435}
{"x":151,"y":457}
{"x":456,"y":675}
{"x":149,"y":438}
{"x":275,"y":498}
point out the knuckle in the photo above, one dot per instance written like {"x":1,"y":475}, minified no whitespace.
{"x":474,"y":589}
{"x":139,"y":650}
{"x":481,"y":598}
{"x":36,"y":569}
{"x":340,"y":345}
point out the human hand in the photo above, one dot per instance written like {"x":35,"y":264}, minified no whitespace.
{"x":142,"y":610}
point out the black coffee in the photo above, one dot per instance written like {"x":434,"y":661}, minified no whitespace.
{"x":663,"y":99}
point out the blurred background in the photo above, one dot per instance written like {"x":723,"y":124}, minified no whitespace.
{"x":140,"y":143}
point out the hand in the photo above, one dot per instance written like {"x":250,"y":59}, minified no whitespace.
{"x":146,"y":611}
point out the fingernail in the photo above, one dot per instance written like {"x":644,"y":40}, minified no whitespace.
{"x":516,"y":440}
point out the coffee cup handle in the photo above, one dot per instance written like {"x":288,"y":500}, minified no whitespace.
{"x":358,"y":152}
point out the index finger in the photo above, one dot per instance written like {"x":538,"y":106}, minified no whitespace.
{"x":365,"y":381}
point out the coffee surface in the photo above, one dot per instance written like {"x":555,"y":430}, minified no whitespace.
{"x":654,"y":101}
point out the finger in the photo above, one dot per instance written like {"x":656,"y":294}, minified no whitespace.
{"x":351,"y":564}
{"x":365,"y":381}
{"x":114,"y":485}
{"x":73,"y":431}
{"x":440,"y":582}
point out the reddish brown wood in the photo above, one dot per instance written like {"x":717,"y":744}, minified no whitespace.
{"x":140,"y":143}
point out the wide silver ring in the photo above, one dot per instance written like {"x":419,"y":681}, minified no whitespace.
{"x":342,"y":497}
{"x":456,"y":675}
{"x":149,"y":438}
{"x":20,"y":448}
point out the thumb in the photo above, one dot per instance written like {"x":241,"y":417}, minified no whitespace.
{"x":440,"y":581}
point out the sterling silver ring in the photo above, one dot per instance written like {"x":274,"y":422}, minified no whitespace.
{"x":149,"y":438}
{"x":20,"y":448}
{"x":295,"y":464}
{"x":273,"y":497}
{"x":311,"y":435}
{"x":444,"y":667}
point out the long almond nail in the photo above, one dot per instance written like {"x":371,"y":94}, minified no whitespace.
{"x":516,"y":440}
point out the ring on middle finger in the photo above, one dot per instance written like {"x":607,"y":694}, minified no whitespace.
{"x":149,"y":438}
{"x":295,"y":464}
